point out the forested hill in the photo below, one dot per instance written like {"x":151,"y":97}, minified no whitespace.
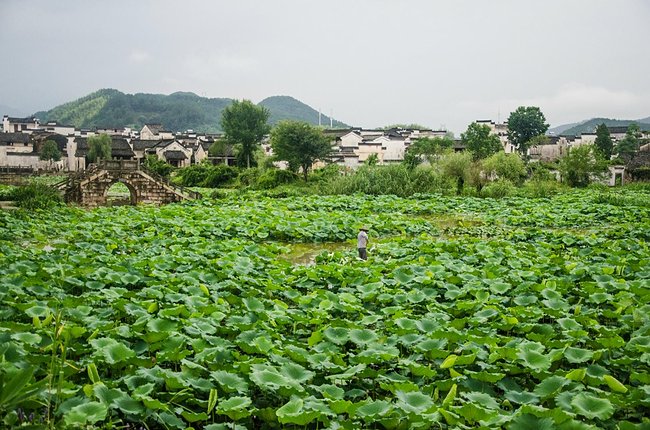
{"x":176,"y":112}
{"x":589,"y":126}
{"x":285,"y":107}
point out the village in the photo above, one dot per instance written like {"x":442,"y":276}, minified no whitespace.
{"x":21,"y":141}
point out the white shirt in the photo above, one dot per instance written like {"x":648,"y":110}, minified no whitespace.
{"x":362,"y":239}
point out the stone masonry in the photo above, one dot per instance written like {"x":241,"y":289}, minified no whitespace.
{"x":90,"y":188}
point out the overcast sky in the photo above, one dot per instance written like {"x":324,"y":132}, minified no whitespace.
{"x":369,"y":62}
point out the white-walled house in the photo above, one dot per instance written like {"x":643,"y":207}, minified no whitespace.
{"x":19,"y":125}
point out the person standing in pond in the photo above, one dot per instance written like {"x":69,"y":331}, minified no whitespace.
{"x":362,"y":243}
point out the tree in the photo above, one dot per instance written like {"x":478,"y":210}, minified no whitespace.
{"x":603,"y":141}
{"x":50,"y":152}
{"x":579,"y":164}
{"x":480,"y":141}
{"x":630,"y":143}
{"x":428,"y":148}
{"x":99,"y":147}
{"x":245,"y":124}
{"x":300,"y":144}
{"x":525,"y":123}
{"x":505,"y":166}
{"x":457,"y":166}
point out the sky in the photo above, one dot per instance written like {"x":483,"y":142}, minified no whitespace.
{"x":369,"y":63}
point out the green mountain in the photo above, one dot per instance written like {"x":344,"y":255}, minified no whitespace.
{"x":589,"y":126}
{"x":285,"y":107}
{"x":176,"y":112}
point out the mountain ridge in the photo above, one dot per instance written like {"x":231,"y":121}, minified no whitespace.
{"x":178,"y":111}
{"x":589,"y":125}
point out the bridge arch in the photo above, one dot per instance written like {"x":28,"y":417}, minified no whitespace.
{"x":133,"y":191}
{"x":90,"y":187}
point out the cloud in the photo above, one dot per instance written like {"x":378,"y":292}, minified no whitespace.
{"x":139,"y":57}
{"x":569,"y":103}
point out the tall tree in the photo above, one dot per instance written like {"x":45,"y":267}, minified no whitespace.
{"x":299,"y":144}
{"x":579,"y":165}
{"x":603,"y":141}
{"x":50,"y":152}
{"x":245,"y":124}
{"x":630,"y":143}
{"x":478,"y":139}
{"x":99,"y":147}
{"x":525,"y":123}
{"x":428,"y":148}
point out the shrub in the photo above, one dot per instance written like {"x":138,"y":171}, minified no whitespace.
{"x":205,"y":175}
{"x":272,"y":178}
{"x":36,"y":196}
{"x":158,"y":166}
{"x":505,"y":166}
{"x":375,"y":180}
{"x":219,"y":175}
{"x":542,"y":188}
{"x":249,"y":177}
{"x":498,"y":189}
{"x":428,"y":180}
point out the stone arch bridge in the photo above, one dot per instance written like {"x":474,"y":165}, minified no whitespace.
{"x":90,"y":187}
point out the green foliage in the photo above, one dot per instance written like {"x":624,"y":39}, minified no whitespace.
{"x":158,"y":166}
{"x":220,"y":148}
{"x":505,"y":166}
{"x":498,"y":189}
{"x":412,"y":126}
{"x":285,"y":108}
{"x":394,"y":179}
{"x":604,"y":142}
{"x":50,"y":151}
{"x":539,"y":188}
{"x":206,"y":175}
{"x":178,"y":111}
{"x":244,"y":125}
{"x":300,"y":145}
{"x":427,"y":148}
{"x":272,"y":178}
{"x":630,"y":143}
{"x":457,"y":166}
{"x":99,"y":147}
{"x":480,"y":141}
{"x":525,"y":123}
{"x":35,"y":196}
{"x":592,"y":124}
{"x":373,"y":159}
{"x":492,"y":313}
{"x":579,"y":165}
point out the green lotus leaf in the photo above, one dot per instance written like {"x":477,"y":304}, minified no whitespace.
{"x":160,"y":325}
{"x":569,"y":324}
{"x":267,"y":377}
{"x":363,"y":336}
{"x":414,"y":402}
{"x":293,"y":412}
{"x":111,"y":350}
{"x":529,"y":422}
{"x":86,"y":413}
{"x":482,"y":399}
{"x":590,"y":406}
{"x":578,"y":355}
{"x":534,"y":360}
{"x":499,"y":287}
{"x":337,"y":335}
{"x":521,"y":397}
{"x":371,"y":410}
{"x":29,"y":338}
{"x":230,"y":381}
{"x":235,"y":407}
{"x":525,"y":299}
{"x":550,"y":386}
{"x":296,"y":373}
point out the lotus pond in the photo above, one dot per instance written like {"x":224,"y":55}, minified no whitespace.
{"x":470,"y":313}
